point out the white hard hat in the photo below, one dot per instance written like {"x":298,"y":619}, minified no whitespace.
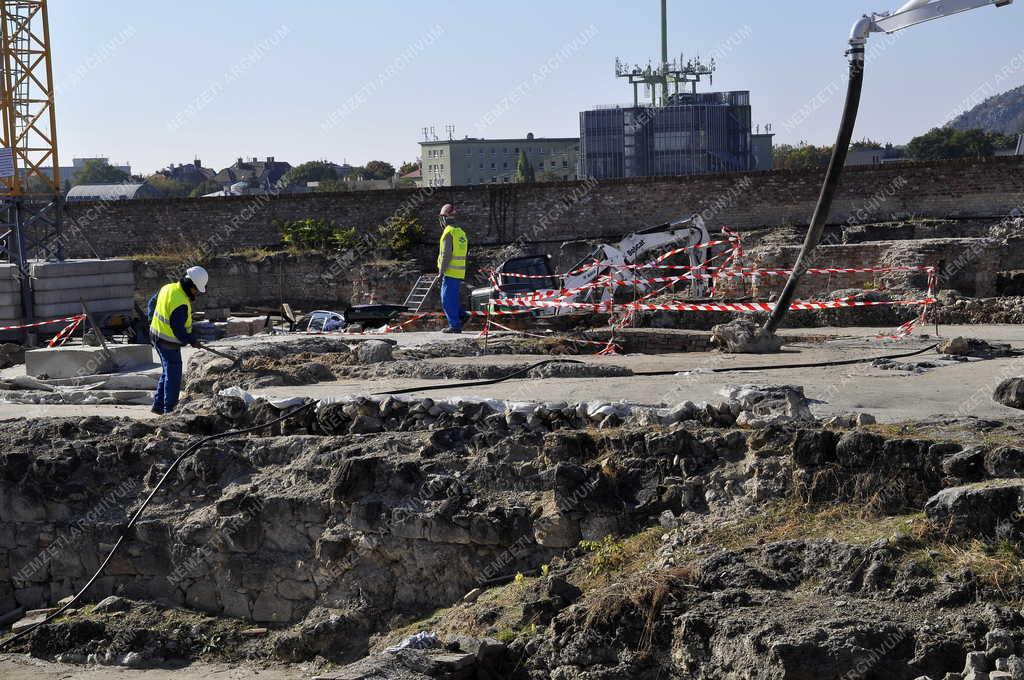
{"x":447,"y":209}
{"x":198,"y":276}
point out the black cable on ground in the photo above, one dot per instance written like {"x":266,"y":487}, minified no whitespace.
{"x":811,"y":364}
{"x":479,"y":383}
{"x":234,"y":433}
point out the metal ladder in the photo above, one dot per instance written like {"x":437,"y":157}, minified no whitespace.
{"x":420,"y":292}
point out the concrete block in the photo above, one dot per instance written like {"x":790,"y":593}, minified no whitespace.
{"x":10,"y":285}
{"x":67,"y":362}
{"x":10,"y":299}
{"x":47,"y":270}
{"x":52,"y":297}
{"x":97,"y":307}
{"x":75,"y":362}
{"x":88,"y":281}
{"x":10,"y":312}
{"x":9,"y":271}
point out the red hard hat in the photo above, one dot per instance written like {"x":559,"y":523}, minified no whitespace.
{"x":447,"y":209}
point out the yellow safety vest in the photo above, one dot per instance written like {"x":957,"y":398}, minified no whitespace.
{"x":460,"y":246}
{"x":170,"y":298}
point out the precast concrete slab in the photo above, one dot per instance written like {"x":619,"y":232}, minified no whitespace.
{"x":48,"y":270}
{"x":86,"y":281}
{"x":75,"y":362}
{"x":52,"y":311}
{"x":74,"y":295}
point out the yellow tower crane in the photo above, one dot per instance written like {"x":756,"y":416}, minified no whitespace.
{"x":31,"y":204}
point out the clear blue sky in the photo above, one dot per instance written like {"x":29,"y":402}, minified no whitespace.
{"x":160,"y":82}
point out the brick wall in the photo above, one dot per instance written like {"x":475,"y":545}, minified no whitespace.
{"x":559,"y":211}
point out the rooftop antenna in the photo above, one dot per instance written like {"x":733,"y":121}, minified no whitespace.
{"x":667,"y":74}
{"x":664,"y":50}
{"x":450,"y":129}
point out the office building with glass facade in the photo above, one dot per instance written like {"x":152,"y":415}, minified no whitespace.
{"x":694,"y":133}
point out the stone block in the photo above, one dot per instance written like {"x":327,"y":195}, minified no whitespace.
{"x":241,"y":325}
{"x":9,"y":285}
{"x":269,"y":608}
{"x":978,"y":510}
{"x":11,"y":312}
{"x":27,"y":622}
{"x":296,"y":590}
{"x":74,"y":362}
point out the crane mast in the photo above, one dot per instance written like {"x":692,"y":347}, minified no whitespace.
{"x":30,"y":183}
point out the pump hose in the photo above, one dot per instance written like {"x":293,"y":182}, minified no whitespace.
{"x":828,"y":190}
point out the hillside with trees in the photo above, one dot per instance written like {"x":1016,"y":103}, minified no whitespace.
{"x":1000,"y":114}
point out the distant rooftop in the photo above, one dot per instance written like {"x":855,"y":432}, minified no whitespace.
{"x":110,"y":192}
{"x":528,"y":138}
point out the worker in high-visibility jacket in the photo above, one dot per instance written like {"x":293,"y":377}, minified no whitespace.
{"x":170,"y":329}
{"x":451,"y":265}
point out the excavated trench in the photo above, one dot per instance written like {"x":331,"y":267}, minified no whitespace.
{"x":338,"y":529}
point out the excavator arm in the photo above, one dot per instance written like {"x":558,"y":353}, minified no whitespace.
{"x":637,"y":247}
{"x":604,"y":260}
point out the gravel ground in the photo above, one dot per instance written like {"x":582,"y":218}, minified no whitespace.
{"x":22,"y":667}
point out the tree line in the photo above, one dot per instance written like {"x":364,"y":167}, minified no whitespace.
{"x":936,"y":144}
{"x":327,"y":174}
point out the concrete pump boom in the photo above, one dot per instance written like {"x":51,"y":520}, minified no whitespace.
{"x":910,"y":14}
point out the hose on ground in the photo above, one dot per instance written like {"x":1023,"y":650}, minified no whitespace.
{"x":811,"y":364}
{"x":235,"y":433}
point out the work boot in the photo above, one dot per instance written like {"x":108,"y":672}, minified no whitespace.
{"x":454,"y":331}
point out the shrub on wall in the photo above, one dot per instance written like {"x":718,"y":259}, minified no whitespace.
{"x":401,"y":234}
{"x":317,"y":234}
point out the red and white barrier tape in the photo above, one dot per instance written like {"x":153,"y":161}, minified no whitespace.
{"x":66,"y":332}
{"x":709,"y":307}
{"x":42,"y":323}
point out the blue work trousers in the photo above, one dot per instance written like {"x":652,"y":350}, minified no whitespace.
{"x":451,"y":301}
{"x":169,"y":387}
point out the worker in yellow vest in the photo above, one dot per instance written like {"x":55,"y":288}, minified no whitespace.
{"x":170,"y":329}
{"x":451,"y":265}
